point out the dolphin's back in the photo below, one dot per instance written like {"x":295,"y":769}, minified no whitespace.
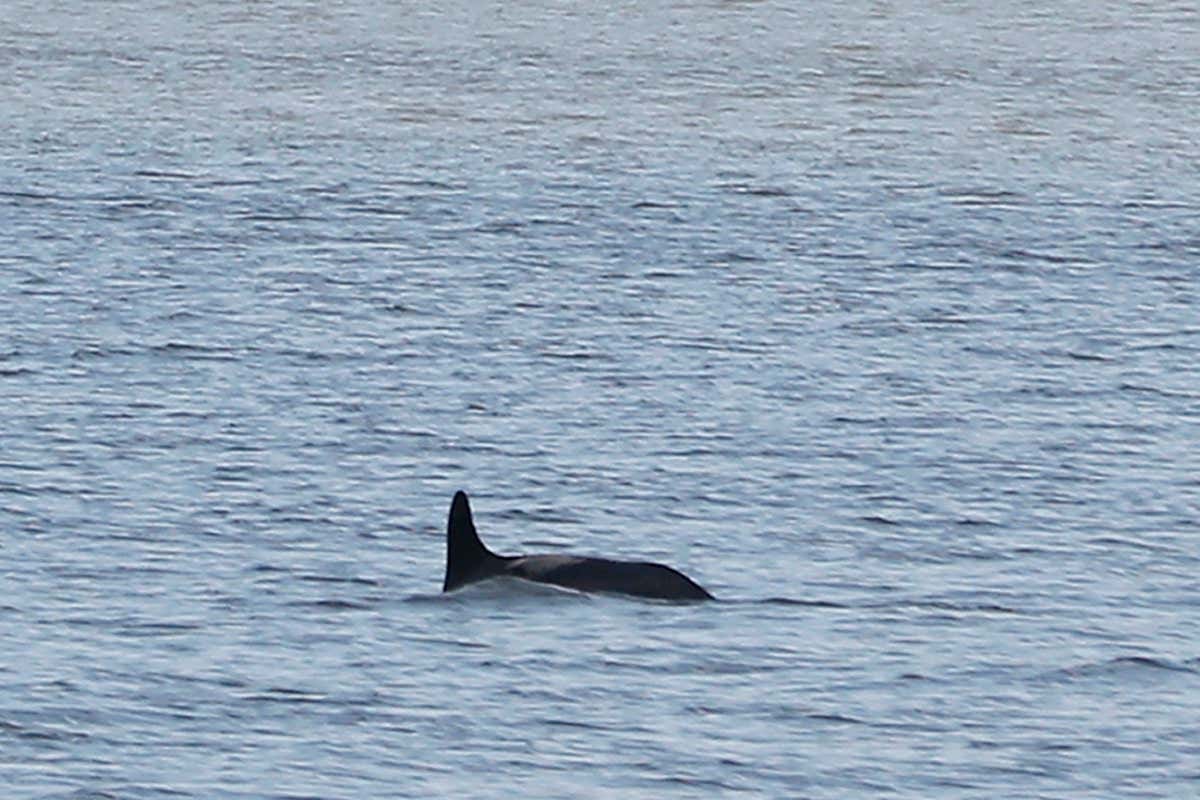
{"x":640,"y":578}
{"x":468,"y":560}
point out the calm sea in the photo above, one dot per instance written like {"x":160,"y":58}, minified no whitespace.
{"x":879,"y":319}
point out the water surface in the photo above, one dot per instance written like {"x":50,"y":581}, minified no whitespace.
{"x":878,"y":320}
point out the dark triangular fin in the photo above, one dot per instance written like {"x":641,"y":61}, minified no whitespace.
{"x":466,"y":558}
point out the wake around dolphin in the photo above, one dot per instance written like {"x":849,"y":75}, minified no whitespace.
{"x":468,"y":561}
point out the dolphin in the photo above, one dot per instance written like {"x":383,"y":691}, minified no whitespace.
{"x":468,"y":561}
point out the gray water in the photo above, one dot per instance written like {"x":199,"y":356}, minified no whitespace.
{"x":877,"y":319}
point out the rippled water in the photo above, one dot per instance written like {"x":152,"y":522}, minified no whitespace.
{"x":878,"y":319}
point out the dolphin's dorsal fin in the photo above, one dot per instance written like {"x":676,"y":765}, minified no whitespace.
{"x":466,"y":557}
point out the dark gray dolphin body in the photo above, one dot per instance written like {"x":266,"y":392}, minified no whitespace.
{"x":468,"y":561}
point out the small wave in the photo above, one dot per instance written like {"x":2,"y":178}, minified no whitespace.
{"x":427,"y":597}
{"x":156,"y":629}
{"x":332,"y":605}
{"x":1155,"y":390}
{"x":154,"y":173}
{"x":574,"y":723}
{"x":981,"y":607}
{"x":193,"y":351}
{"x":955,"y":607}
{"x":838,"y":718}
{"x":430,"y":183}
{"x":1130,"y":542}
{"x":1129,"y":666}
{"x":1146,"y":662}
{"x":82,"y":794}
{"x":750,"y":190}
{"x":312,"y":578}
{"x":41,"y":732}
{"x":799,"y":601}
{"x":465,"y":644}
{"x":282,"y":694}
{"x":735,"y":257}
{"x":91,"y":352}
{"x":703,"y":784}
{"x":538,"y":515}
